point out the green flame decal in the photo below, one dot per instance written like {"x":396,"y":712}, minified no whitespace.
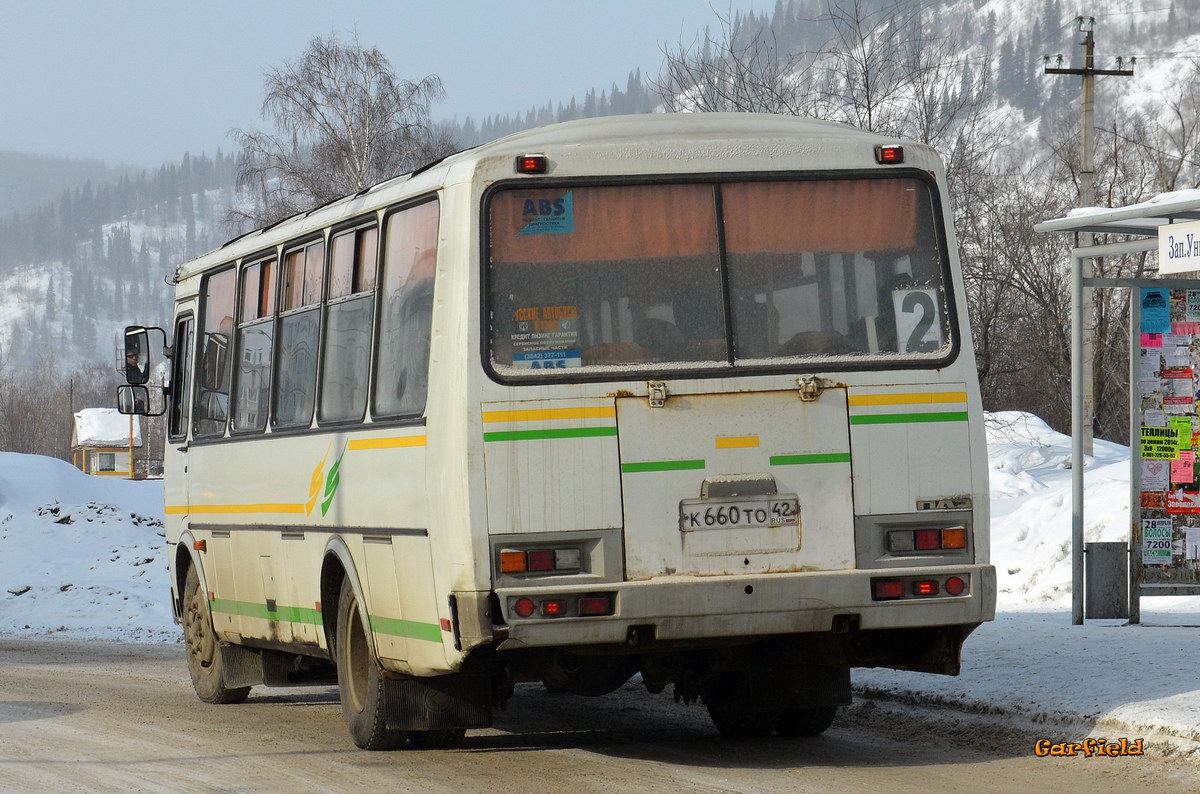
{"x":331,"y":482}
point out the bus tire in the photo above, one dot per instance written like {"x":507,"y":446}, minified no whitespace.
{"x":805,"y":722}
{"x":203,"y":648}
{"x":730,"y":709}
{"x":360,"y":681}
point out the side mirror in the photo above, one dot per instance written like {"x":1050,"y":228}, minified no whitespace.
{"x":137,"y":357}
{"x":137,"y":400}
{"x":138,"y":361}
{"x":133,"y":400}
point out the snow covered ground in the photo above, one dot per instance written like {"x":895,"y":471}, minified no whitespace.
{"x":82,"y":557}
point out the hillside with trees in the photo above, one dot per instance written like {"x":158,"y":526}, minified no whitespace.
{"x":966,"y":76}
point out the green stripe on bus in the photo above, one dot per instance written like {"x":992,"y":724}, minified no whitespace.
{"x":398,"y":628}
{"x":554,"y":432}
{"x":798,"y":460}
{"x":661,"y":465}
{"x":901,"y":419}
{"x":250,"y":610}
{"x":406,"y":628}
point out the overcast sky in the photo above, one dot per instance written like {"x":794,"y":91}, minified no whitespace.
{"x":143,"y":81}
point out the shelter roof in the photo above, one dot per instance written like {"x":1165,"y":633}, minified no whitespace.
{"x":1143,"y":218}
{"x":105,"y":427}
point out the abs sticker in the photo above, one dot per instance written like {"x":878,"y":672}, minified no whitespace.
{"x":548,"y":359}
{"x":548,"y":215}
{"x":918,"y":320}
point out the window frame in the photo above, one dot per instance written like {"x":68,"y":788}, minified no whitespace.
{"x":353,"y":226}
{"x":199,"y":349}
{"x":729,"y":369}
{"x":322,"y":237}
{"x":183,"y":363}
{"x":272,"y":318}
{"x":412,"y":418}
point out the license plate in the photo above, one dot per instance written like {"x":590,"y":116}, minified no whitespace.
{"x":739,"y":513}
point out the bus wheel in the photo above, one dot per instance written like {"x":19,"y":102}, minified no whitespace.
{"x":359,"y":680}
{"x":443,"y":739}
{"x":203,"y":647}
{"x":731,"y":713}
{"x":805,"y":722}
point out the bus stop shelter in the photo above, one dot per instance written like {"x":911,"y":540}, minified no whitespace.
{"x":1170,"y":224}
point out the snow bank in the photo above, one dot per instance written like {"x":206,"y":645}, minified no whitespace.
{"x":80,"y":555}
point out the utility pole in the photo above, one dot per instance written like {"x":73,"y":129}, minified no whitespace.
{"x":1087,"y":198}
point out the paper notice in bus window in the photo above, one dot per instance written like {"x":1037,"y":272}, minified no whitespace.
{"x":1191,"y":543}
{"x":918,"y":320}
{"x":545,"y":329}
{"x":548,"y":214}
{"x":548,"y":359}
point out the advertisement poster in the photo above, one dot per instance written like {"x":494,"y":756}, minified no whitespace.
{"x":1165,"y":409}
{"x":1156,"y":541}
{"x":1156,"y":311}
{"x":1156,"y":475}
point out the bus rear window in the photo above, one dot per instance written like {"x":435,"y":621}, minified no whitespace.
{"x":608,"y":277}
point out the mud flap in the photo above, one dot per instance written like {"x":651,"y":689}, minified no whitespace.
{"x":800,"y":686}
{"x":439,"y":702}
{"x":240,"y":666}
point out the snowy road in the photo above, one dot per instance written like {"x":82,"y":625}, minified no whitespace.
{"x":109,"y":717}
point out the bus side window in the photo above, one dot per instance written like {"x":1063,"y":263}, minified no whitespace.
{"x":211,"y":407}
{"x":346,"y":360}
{"x":255,"y":346}
{"x":406,"y":310}
{"x":299,"y":328}
{"x":181,"y":378}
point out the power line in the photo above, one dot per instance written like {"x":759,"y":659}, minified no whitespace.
{"x":1148,"y":147}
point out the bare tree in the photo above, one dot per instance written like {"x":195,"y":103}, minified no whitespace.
{"x":735,"y":71}
{"x":343,"y":121}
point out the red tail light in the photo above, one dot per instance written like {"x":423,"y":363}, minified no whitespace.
{"x":926,"y":539}
{"x":541,"y":560}
{"x":524,"y":607}
{"x":553,"y":608}
{"x":595,"y":605}
{"x":955,"y":586}
{"x":887,"y":588}
{"x":926,"y":587}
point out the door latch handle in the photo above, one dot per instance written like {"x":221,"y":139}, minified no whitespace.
{"x":656,"y":392}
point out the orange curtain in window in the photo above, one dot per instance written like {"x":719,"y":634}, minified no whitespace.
{"x":827,"y":215}
{"x":588,"y":224}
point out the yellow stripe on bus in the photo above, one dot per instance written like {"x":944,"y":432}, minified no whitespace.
{"x":175,"y":510}
{"x":918,"y":398}
{"x":737,"y":442}
{"x":388,"y":443}
{"x":542,"y":414}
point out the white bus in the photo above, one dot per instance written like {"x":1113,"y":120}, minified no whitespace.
{"x":685,"y":396}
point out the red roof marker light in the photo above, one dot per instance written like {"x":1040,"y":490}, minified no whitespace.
{"x":889,"y":154}
{"x":532,"y":164}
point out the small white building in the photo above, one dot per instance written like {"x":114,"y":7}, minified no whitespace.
{"x":100,"y":442}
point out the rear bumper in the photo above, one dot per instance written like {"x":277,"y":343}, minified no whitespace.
{"x":698,"y":608}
